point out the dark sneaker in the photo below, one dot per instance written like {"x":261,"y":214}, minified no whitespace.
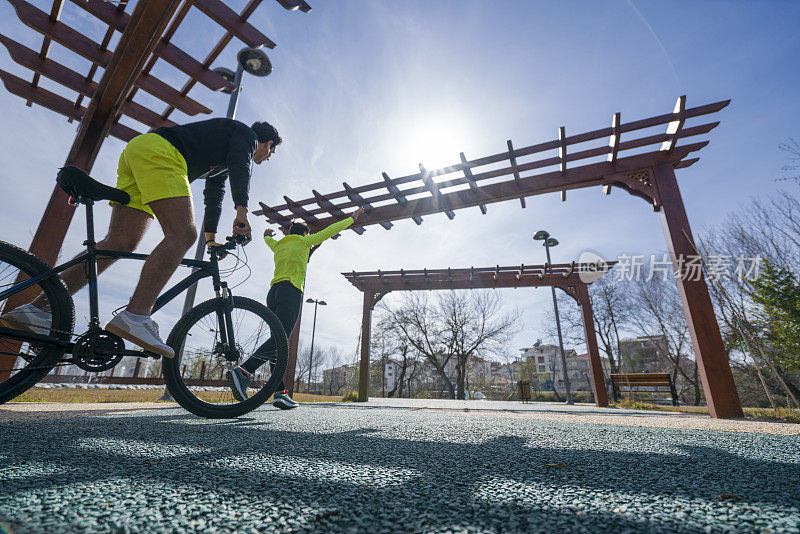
{"x":238,"y":379}
{"x":284,"y":401}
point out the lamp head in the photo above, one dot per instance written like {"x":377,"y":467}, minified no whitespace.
{"x":228,"y":75}
{"x":310,"y":301}
{"x":254,"y":61}
{"x":323,"y":303}
{"x":541,"y":235}
{"x":551,"y":242}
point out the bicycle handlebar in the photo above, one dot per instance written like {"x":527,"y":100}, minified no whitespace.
{"x":231,"y":242}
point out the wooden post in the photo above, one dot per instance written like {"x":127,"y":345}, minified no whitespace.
{"x":203,"y":370}
{"x":596,"y":365}
{"x":366,"y":320}
{"x":291,"y":366}
{"x":712,"y":360}
{"x":136,"y":369}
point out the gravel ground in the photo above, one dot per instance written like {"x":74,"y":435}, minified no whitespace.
{"x":357,"y":468}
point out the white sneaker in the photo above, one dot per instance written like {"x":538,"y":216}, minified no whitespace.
{"x":29,"y":318}
{"x":142,"y":333}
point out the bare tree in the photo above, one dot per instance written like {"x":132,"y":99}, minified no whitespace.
{"x":612,"y":318}
{"x":459,"y":326}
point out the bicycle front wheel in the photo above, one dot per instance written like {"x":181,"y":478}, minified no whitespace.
{"x":196,"y":376}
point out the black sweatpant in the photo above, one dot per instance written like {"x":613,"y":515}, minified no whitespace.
{"x":284,"y":300}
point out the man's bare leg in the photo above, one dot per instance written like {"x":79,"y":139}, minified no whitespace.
{"x":176,"y":217}
{"x":125,"y":231}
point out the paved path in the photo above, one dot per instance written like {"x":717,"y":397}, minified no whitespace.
{"x":395,"y":466}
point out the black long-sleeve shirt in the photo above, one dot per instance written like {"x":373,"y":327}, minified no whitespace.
{"x":215,"y":149}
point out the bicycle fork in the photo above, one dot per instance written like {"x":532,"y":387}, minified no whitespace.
{"x":225,"y":320}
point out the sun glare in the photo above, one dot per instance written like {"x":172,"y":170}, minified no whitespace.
{"x":434,"y":142}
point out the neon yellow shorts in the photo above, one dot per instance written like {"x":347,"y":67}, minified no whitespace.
{"x":149,"y":169}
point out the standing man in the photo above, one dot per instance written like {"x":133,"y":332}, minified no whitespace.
{"x":285,"y":298}
{"x":155,"y":169}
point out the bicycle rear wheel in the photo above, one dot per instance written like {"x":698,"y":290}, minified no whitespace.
{"x":23,"y":364}
{"x":196,"y":375}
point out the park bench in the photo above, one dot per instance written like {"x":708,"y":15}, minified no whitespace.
{"x":644,"y":383}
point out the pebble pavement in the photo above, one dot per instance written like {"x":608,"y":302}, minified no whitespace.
{"x":384,"y":468}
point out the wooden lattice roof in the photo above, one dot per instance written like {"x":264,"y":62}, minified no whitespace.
{"x":620,"y":155}
{"x":114,"y":17}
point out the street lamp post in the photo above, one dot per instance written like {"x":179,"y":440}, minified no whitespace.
{"x":313,"y":331}
{"x":252,"y":61}
{"x":543,"y":235}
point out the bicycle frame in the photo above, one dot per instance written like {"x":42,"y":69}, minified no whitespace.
{"x":200,"y":269}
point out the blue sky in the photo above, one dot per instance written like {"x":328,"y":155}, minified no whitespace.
{"x":360,"y":88}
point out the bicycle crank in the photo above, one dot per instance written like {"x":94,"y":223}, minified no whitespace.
{"x":97,"y":351}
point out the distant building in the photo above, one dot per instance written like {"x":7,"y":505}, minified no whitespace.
{"x":542,"y":364}
{"x":336,"y":379}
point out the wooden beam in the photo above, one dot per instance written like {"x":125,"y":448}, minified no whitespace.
{"x":77,"y":82}
{"x":167,"y":51}
{"x":512,"y":158}
{"x":430,"y":184}
{"x":595,"y":363}
{"x":57,"y":103}
{"x":366,"y":324}
{"x":712,"y":358}
{"x":562,"y":149}
{"x":471,"y":180}
{"x":300,"y":211}
{"x":231,"y":21}
{"x":614,"y":138}
{"x":674,"y":128}
{"x":398,"y":195}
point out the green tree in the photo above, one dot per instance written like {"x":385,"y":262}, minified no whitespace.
{"x":777,"y":290}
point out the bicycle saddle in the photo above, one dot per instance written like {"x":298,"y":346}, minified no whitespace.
{"x":77,"y":183}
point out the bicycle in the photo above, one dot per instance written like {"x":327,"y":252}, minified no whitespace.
{"x":222,"y":331}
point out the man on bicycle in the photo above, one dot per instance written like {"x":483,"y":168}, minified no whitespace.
{"x":285,"y":299}
{"x":155,"y":169}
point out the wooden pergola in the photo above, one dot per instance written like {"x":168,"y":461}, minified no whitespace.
{"x":147,"y":36}
{"x":569,"y":277}
{"x":629,"y":156}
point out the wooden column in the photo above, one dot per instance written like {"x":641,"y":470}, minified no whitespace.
{"x":596,"y":365}
{"x":712,"y":360}
{"x":366,"y":320}
{"x":291,"y":366}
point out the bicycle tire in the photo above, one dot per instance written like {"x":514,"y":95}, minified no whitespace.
{"x":172,"y":367}
{"x":63,"y":309}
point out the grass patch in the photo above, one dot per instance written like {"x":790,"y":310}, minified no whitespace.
{"x":785,"y":415}
{"x":69,"y":395}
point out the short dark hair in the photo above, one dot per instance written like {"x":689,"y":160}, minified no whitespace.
{"x":297,"y":228}
{"x":266,"y":132}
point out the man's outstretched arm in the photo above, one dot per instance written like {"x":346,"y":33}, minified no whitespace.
{"x":332,"y":230}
